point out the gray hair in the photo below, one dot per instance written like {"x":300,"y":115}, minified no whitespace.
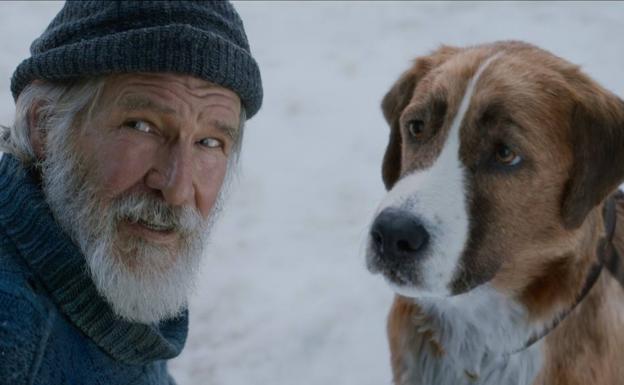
{"x":60,"y":106}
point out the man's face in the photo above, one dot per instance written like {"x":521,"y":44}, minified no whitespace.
{"x":164,"y":135}
{"x":137,"y":184}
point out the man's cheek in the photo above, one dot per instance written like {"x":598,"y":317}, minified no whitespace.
{"x":117,"y":165}
{"x":209,"y":181}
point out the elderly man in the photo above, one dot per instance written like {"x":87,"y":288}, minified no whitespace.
{"x":128,"y":122}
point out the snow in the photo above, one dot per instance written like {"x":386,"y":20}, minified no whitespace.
{"x":284,"y":296}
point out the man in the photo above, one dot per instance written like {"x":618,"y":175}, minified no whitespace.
{"x":128,"y":122}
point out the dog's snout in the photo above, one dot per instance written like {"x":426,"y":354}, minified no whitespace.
{"x":398,"y":235}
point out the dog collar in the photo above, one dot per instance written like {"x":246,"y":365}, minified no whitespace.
{"x":607,"y":256}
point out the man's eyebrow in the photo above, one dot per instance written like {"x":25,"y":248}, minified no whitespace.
{"x":227,"y":129}
{"x":138,"y":102}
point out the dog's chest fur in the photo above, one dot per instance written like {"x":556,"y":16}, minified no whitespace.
{"x":467,"y":340}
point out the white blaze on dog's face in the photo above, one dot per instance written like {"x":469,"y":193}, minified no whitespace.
{"x":436,"y":197}
{"x":483,"y":174}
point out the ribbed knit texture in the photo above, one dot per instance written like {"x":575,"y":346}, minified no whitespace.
{"x":205,"y":39}
{"x":67,"y":303}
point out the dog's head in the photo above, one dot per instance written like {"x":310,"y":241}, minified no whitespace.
{"x":498,"y":158}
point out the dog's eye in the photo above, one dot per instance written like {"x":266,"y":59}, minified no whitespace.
{"x":506,"y":156}
{"x":416,"y":128}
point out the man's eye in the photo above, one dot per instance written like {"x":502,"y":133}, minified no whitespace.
{"x":211,"y":143}
{"x":140,"y":125}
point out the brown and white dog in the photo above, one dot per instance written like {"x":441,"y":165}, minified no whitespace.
{"x":493,"y":232}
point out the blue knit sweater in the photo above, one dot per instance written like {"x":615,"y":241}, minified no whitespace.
{"x":54,"y":326}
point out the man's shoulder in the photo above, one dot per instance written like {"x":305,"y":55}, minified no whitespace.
{"x":17,"y":285}
{"x":23,"y":322}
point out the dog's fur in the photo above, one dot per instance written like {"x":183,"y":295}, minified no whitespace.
{"x":511,"y":246}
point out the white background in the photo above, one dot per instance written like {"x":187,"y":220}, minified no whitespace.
{"x":285,"y":297}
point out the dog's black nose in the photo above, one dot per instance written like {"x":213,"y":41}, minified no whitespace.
{"x":397,"y":235}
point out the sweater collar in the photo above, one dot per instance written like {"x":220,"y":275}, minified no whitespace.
{"x":60,"y":266}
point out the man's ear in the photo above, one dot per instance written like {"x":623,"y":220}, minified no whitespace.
{"x":597,"y":131}
{"x":36,"y":130}
{"x":395,"y":101}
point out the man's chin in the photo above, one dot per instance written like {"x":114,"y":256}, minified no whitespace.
{"x":147,"y":286}
{"x":145,"y":301}
{"x":141,"y":256}
{"x":145,"y":278}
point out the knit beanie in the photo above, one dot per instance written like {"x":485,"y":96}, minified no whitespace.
{"x":205,"y":39}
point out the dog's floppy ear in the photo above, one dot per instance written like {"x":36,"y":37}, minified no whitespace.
{"x":597,"y":129}
{"x":396,"y":100}
{"x":393,"y":103}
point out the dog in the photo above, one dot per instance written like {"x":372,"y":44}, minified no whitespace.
{"x":502,"y":227}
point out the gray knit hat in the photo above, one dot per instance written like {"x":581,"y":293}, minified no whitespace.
{"x":205,"y":39}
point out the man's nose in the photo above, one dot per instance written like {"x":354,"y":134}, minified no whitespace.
{"x":175,"y":175}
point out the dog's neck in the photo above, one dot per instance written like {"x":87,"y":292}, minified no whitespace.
{"x":484,"y":337}
{"x":466,"y":339}
{"x":604,"y":254}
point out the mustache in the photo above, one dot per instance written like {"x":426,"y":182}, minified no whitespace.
{"x":156,"y":213}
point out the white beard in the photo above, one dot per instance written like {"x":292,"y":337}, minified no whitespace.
{"x":143,"y":282}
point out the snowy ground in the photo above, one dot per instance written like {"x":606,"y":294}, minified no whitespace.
{"x":285,"y":297}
